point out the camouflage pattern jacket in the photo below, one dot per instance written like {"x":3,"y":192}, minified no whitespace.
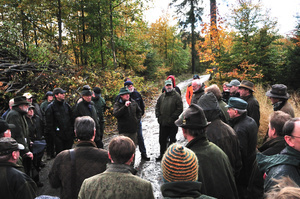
{"x":116,"y":182}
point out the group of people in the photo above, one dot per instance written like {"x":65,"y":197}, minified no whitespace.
{"x":220,"y":159}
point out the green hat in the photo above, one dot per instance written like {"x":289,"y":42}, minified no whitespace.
{"x":19,"y":100}
{"x":208,"y":102}
{"x":86,"y":91}
{"x":8,"y":145}
{"x":179,"y":164}
{"x":238,"y":103}
{"x":124,"y":91}
{"x":167,"y":82}
{"x":192,"y":118}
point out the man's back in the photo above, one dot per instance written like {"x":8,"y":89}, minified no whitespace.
{"x":88,"y":161}
{"x":15,"y":184}
{"x":215,"y":171}
{"x":116,"y":182}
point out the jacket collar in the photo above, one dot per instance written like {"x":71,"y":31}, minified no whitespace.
{"x":120,"y":168}
{"x":86,"y":144}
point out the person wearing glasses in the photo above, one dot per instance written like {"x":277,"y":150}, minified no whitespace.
{"x":287,"y":162}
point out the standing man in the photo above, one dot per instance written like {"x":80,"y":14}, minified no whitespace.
{"x":100,"y":106}
{"x":59,"y":121}
{"x":279,"y":98}
{"x":136,"y":96}
{"x":219,"y":133}
{"x":44,"y":105}
{"x":14,"y":183}
{"x":10,"y":103}
{"x":234,"y":88}
{"x":189,"y":91}
{"x":21,"y":133}
{"x":287,"y":162}
{"x":117,"y":181}
{"x":128,"y":114}
{"x":86,"y":108}
{"x":168,"y":107}
{"x":215,"y":171}
{"x":246,"y":131}
{"x":198,"y":90}
{"x":49,"y":138}
{"x":275,"y":143}
{"x":31,"y":100}
{"x":246,"y":90}
{"x":72,"y":167}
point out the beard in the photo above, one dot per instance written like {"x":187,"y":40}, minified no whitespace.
{"x":169,"y":89}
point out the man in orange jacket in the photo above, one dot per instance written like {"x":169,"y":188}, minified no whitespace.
{"x":189,"y":91}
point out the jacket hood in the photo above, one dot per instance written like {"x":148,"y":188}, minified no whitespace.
{"x":173,"y":80}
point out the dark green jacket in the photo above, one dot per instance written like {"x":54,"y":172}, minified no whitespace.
{"x":85,"y":108}
{"x":128,"y":117}
{"x":287,"y":163}
{"x":215,"y":171}
{"x":116,"y":182}
{"x":20,"y":133}
{"x":183,"y":190}
{"x":168,"y":108}
{"x":14,"y":183}
{"x":252,"y":108}
{"x":100,"y":106}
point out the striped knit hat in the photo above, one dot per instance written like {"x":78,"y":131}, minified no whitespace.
{"x":179,"y":164}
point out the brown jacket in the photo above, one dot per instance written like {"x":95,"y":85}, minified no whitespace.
{"x":89,"y":161}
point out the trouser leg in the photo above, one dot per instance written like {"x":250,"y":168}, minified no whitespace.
{"x":163,"y":136}
{"x":141,"y":143}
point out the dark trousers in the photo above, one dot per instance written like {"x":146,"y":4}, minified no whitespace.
{"x":50,"y":144}
{"x":166,"y":132}
{"x":61,"y":144}
{"x":140,"y":138}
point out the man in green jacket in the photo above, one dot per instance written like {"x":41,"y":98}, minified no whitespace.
{"x":215,"y":171}
{"x":21,"y":133}
{"x":86,"y":108}
{"x":117,"y":181}
{"x":14,"y":183}
{"x":168,"y":107}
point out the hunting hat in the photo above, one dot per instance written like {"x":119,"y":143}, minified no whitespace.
{"x":8,"y":145}
{"x":208,"y":102}
{"x":19,"y":100}
{"x":168,"y":82}
{"x":124,"y":91}
{"x":4,"y":126}
{"x":97,"y":91}
{"x":49,"y":93}
{"x":234,"y":82}
{"x":238,"y":103}
{"x":86,"y":91}
{"x":27,"y":95}
{"x":179,"y":164}
{"x":278,"y":91}
{"x":127,"y":83}
{"x":58,"y":90}
{"x":192,"y":118}
{"x":247,"y":84}
{"x":196,"y":77}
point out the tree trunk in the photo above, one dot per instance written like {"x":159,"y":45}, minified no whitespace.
{"x":112,"y":35}
{"x":193,"y":38}
{"x":59,"y":26}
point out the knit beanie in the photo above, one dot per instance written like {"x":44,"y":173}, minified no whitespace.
{"x":179,"y":164}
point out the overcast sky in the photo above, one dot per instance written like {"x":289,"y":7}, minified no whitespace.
{"x":285,"y":11}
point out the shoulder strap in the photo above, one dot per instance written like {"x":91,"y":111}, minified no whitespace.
{"x":73,"y":173}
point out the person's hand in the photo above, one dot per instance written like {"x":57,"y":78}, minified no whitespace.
{"x":127,"y":103}
{"x":30,"y":155}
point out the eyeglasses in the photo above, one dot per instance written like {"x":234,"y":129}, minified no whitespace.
{"x":295,"y":136}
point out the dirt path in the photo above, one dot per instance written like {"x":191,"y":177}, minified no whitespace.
{"x":150,"y":170}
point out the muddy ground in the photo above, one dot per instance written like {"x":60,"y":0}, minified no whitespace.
{"x":149,"y":170}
